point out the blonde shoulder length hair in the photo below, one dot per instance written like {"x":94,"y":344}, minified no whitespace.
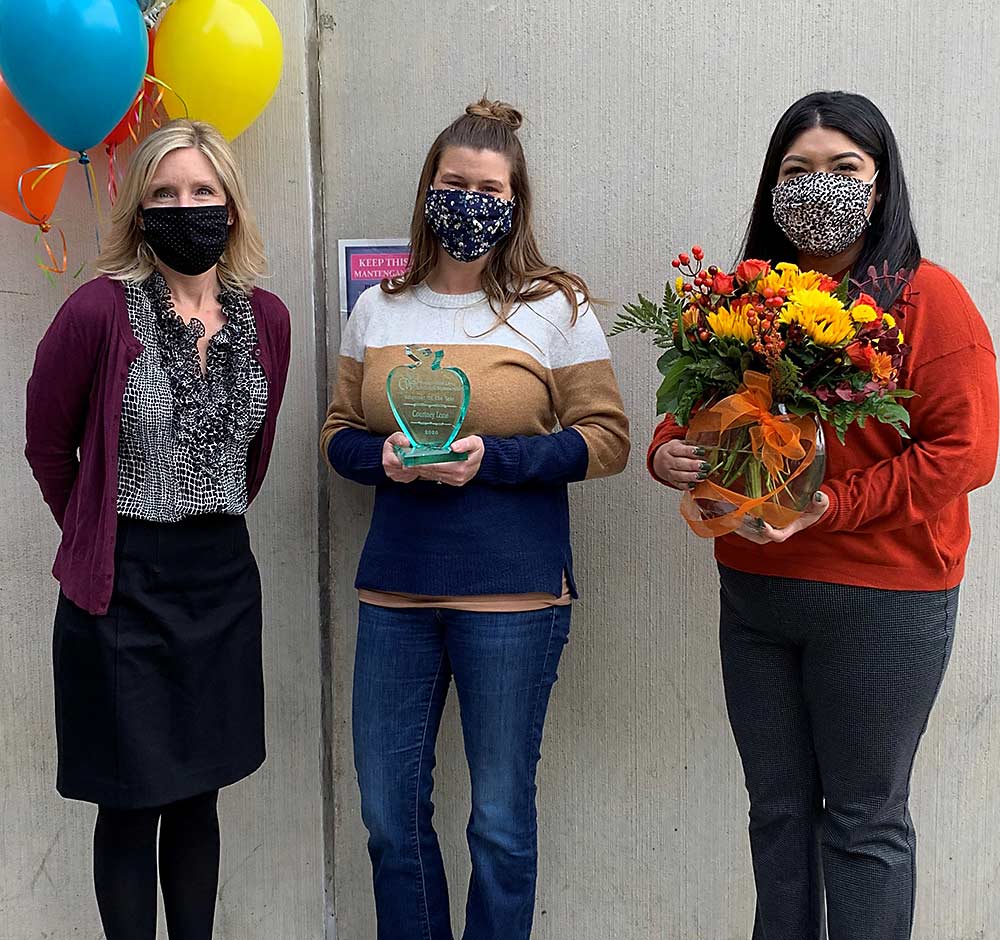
{"x":516,"y":272}
{"x":127,"y":257}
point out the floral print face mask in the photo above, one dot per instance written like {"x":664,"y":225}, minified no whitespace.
{"x":822,"y":214}
{"x":467,"y":224}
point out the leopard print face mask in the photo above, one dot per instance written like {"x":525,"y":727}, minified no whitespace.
{"x":822,"y":214}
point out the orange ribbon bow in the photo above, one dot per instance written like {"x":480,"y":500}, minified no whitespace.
{"x":775,"y":440}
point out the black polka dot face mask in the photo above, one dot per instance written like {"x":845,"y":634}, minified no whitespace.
{"x":822,"y":214}
{"x":467,"y":224}
{"x":187,"y":239}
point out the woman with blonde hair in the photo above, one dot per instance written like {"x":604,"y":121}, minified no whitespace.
{"x":151,"y":413}
{"x":467,"y":572}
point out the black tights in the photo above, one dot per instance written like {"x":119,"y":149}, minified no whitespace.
{"x":125,"y":868}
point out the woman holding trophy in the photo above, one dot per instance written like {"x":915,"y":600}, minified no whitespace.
{"x":467,"y":572}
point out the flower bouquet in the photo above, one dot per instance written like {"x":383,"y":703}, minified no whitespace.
{"x":756,"y":361}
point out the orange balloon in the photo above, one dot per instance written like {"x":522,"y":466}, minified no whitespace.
{"x":26,"y":145}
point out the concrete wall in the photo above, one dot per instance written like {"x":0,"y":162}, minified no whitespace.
{"x":272,"y":866}
{"x":646,"y":125}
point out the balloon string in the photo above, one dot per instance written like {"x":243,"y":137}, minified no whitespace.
{"x":90,"y":176}
{"x":140,"y":103}
{"x":112,"y":151}
{"x":134,"y":114}
{"x":165,"y":87}
{"x":46,"y":169}
{"x":44,"y":226}
{"x":154,"y":101}
{"x":53,"y":267}
{"x":155,"y":107}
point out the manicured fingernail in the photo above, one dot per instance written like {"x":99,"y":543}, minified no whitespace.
{"x":699,"y":452}
{"x":702,"y":474}
{"x":692,"y":485}
{"x":704,"y":467}
{"x":818,"y":497}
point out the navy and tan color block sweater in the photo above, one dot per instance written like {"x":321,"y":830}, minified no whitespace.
{"x":506,"y":531}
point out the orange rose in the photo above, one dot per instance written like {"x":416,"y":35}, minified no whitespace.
{"x":748,"y":271}
{"x":861,"y":356}
{"x":723,"y":284}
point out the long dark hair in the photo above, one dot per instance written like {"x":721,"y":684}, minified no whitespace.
{"x":891,"y":239}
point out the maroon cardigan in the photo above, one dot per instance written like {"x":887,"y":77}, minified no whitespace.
{"x":74,"y":414}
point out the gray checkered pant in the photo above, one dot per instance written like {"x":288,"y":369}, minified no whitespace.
{"x":829,"y":688}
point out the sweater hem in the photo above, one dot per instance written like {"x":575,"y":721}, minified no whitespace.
{"x":396,"y":575}
{"x":828,"y":571}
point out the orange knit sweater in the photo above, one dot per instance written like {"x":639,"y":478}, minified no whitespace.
{"x":899,"y":514}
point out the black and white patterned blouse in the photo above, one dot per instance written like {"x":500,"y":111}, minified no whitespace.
{"x":185,"y":436}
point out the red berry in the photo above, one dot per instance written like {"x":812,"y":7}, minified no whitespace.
{"x":697,"y":252}
{"x":675,"y":263}
{"x":713,"y":270}
{"x":703,"y":335}
{"x":685,"y":259}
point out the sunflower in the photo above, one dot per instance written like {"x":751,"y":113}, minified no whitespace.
{"x":730,"y":324}
{"x":822,"y":317}
{"x":788,"y":276}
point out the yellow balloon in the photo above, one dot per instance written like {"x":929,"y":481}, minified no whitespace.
{"x":222,"y":60}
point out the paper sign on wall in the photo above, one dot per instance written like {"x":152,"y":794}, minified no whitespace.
{"x":366,"y":261}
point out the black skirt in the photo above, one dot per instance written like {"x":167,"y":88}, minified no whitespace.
{"x":162,"y":698}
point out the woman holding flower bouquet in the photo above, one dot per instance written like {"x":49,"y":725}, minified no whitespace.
{"x":836,"y":620}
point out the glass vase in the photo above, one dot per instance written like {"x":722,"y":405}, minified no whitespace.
{"x":737,"y":470}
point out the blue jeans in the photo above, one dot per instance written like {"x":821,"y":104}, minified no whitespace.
{"x":504,"y":666}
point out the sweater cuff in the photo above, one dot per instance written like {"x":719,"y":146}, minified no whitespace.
{"x":650,"y":454}
{"x":369,"y":454}
{"x":501,"y":461}
{"x":835,"y":516}
{"x":357,"y":455}
{"x":653,"y":448}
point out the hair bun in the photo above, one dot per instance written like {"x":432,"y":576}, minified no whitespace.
{"x":496,"y":111}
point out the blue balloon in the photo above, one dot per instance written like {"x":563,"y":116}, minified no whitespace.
{"x":74,"y":65}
